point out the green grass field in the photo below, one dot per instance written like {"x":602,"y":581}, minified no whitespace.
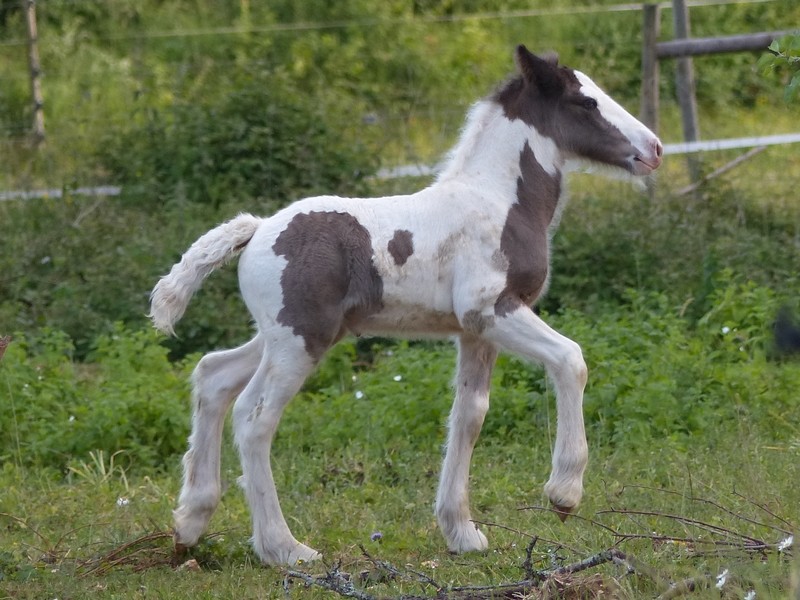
{"x":684,"y":492}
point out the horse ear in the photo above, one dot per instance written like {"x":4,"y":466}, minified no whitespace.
{"x":539,"y":71}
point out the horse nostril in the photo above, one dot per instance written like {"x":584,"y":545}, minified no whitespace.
{"x":659,"y":149}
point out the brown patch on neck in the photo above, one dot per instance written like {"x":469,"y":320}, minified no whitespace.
{"x":329,"y":282}
{"x":524,"y":240}
{"x":401,"y":246}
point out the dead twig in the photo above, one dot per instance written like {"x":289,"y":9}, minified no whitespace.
{"x":131,"y":553}
{"x":750,"y":543}
{"x":394,"y":572}
{"x":341,"y":583}
{"x":334,"y":580}
{"x":527,"y":535}
{"x":527,"y":565}
{"x":764,"y":508}
{"x":571,"y":516}
{"x":721,"y":507}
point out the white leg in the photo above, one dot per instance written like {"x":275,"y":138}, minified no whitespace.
{"x":256,"y":414}
{"x":475,"y":361}
{"x":523,"y":333}
{"x":218,"y":378}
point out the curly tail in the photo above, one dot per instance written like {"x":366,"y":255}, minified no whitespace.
{"x":172,"y":293}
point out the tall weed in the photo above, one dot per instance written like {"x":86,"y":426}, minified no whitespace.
{"x":129,"y":397}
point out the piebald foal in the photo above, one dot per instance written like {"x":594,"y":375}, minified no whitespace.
{"x":465,"y":257}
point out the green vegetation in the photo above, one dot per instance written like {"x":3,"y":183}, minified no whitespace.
{"x":785,"y":56}
{"x":204,"y":110}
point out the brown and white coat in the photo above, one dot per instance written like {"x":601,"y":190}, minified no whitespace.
{"x":463,"y":258}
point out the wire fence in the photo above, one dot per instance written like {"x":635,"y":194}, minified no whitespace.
{"x":553,"y":11}
{"x":418,"y":134}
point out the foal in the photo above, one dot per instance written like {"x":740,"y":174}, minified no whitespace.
{"x":463,"y":258}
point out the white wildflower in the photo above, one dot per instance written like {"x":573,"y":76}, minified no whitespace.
{"x":123,"y":501}
{"x":726,"y":330}
{"x":398,"y":378}
{"x":751,"y":595}
{"x":359,"y":394}
{"x":721,"y":579}
{"x":786,"y":543}
{"x":71,"y":418}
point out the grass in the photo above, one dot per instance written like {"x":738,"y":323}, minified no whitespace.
{"x":64,"y":539}
{"x":680,"y":507}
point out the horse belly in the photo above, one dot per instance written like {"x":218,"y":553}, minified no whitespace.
{"x":408,"y":320}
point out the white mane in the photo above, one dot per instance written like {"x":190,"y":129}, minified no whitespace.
{"x":479,"y":117}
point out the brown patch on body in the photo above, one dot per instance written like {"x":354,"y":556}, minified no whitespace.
{"x":401,"y":246}
{"x":330,"y":282}
{"x":524,"y":240}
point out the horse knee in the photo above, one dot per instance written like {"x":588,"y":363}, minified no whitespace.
{"x":572,"y":364}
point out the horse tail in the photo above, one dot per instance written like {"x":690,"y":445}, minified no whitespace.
{"x":172,"y":293}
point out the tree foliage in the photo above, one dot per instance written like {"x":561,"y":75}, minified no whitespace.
{"x":784,"y":57}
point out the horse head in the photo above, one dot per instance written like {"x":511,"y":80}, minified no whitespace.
{"x":585,"y":124}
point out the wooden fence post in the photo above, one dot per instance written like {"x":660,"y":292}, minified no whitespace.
{"x":684,"y":74}
{"x":650,"y":71}
{"x":35,"y":71}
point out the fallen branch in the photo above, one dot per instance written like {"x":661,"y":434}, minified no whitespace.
{"x":383,"y":565}
{"x":334,"y":580}
{"x":341,"y":583}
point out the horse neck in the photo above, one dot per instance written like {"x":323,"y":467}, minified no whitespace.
{"x":492,"y":149}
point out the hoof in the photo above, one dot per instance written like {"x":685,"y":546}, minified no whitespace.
{"x":179,"y":552}
{"x":293,"y":556}
{"x":467,"y":538}
{"x":562,"y":512}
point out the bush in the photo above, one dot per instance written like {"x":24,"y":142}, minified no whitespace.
{"x":653,"y":375}
{"x":79,"y":265}
{"x":263,"y":139}
{"x":128,"y":398}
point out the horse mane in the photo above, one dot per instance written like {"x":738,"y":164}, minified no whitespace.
{"x":479,"y":117}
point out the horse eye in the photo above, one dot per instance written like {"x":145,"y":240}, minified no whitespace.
{"x":590,"y":104}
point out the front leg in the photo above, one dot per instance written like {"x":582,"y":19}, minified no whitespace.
{"x":475,"y":361}
{"x":522,"y":332}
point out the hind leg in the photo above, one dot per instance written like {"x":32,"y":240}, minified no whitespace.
{"x":283,"y":368}
{"x":218,"y":378}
